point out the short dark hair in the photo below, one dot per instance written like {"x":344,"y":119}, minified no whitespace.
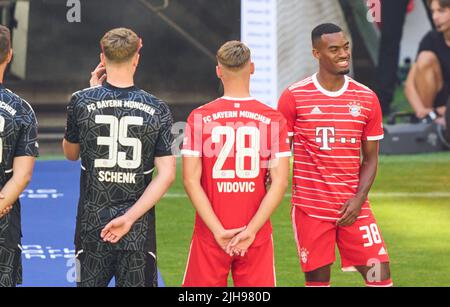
{"x":442,"y":3}
{"x":322,"y":29}
{"x":5,"y":43}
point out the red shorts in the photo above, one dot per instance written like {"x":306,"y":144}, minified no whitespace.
{"x":360,"y":244}
{"x":209,"y":266}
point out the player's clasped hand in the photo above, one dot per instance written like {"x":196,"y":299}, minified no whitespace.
{"x":5,"y":210}
{"x":350,"y":211}
{"x":98,"y":76}
{"x":225,"y":236}
{"x":240,"y":244}
{"x":116,"y":229}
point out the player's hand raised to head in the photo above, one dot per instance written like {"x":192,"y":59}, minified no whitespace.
{"x":240,"y":244}
{"x":116,"y":229}
{"x":350,"y":211}
{"x":224,"y":237}
{"x":98,"y":76}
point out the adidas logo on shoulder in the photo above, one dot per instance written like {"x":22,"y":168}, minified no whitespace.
{"x":316,"y":110}
{"x":382,"y":252}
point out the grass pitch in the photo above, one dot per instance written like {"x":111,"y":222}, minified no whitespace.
{"x":411,"y":201}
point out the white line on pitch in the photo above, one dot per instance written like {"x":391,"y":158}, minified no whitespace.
{"x":376,"y":195}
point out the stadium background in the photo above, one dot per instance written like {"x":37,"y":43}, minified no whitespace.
{"x":53,"y":58}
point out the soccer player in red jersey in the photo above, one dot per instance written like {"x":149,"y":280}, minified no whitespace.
{"x":230,"y":145}
{"x":335,"y":120}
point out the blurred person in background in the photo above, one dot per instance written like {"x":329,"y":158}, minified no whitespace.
{"x":393,"y":14}
{"x":428,"y":84}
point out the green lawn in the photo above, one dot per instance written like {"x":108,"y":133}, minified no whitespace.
{"x":416,"y":227}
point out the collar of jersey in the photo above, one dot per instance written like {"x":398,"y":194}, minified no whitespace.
{"x":115,"y":88}
{"x":238,"y":99}
{"x":328,"y":93}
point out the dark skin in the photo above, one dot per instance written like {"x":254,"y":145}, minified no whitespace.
{"x":334,"y":55}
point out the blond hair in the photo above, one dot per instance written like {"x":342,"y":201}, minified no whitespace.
{"x":120,"y":45}
{"x":234,"y":55}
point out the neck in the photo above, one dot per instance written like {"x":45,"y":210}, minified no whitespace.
{"x":447,"y":37}
{"x":330,"y":82}
{"x":237,"y":88}
{"x":2,"y":73}
{"x":119,"y":77}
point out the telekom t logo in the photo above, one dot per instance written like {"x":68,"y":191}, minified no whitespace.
{"x":327,"y":136}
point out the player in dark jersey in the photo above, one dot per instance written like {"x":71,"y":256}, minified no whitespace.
{"x":18,"y":149}
{"x":122,"y":134}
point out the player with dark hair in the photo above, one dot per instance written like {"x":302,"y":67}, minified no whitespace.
{"x":333,"y":120}
{"x":18,"y":149}
{"x":122,"y":134}
{"x":230,"y":145}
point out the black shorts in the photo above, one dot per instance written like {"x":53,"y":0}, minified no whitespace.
{"x":443,"y":96}
{"x":10,"y":266}
{"x":130,"y":269}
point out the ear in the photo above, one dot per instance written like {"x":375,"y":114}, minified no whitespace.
{"x":103,"y":59}
{"x":316,"y":53}
{"x":219,"y":72}
{"x":10,"y":56}
{"x":252,"y":68}
{"x":136,"y":60}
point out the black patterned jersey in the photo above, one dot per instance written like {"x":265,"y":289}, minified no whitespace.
{"x":18,"y":138}
{"x":120,"y":132}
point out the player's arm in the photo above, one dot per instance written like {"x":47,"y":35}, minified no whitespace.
{"x":287,"y":107}
{"x":192,"y":173}
{"x":368,"y":173}
{"x":166,"y":173}
{"x":71,"y":150}
{"x":70,"y":144}
{"x":26,"y":151}
{"x":279,"y":174}
{"x":22,"y":173}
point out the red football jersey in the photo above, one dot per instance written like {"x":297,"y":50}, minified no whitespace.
{"x":236,"y":139}
{"x":328,"y":128}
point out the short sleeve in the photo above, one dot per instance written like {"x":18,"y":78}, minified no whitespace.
{"x":27,"y":142}
{"x":72,"y":133}
{"x":165,"y":137}
{"x":373,"y":130}
{"x":427,"y":43}
{"x":287,"y":107}
{"x":192,"y":143}
{"x":281,"y":145}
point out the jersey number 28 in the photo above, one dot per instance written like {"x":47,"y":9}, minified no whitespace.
{"x":237,"y":137}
